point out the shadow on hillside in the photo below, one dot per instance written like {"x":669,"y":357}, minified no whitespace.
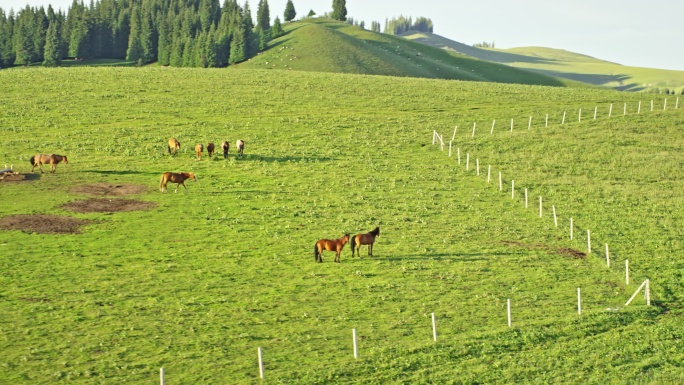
{"x":120,"y":172}
{"x":284,"y":159}
{"x":454,"y":257}
{"x":596,"y":79}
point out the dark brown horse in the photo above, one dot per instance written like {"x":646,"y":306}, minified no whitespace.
{"x":240,"y":144}
{"x":225,"y":147}
{"x":364,"y":239}
{"x":174,"y":146}
{"x":330,"y":245}
{"x":178,"y":178}
{"x":210,"y":149}
{"x":198,"y":150}
{"x":51,"y":159}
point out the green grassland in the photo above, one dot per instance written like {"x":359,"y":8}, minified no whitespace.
{"x":565,"y":64}
{"x":197,"y":283}
{"x":323,"y":45}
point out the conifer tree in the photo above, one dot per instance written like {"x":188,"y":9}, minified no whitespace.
{"x":290,"y":12}
{"x":52,"y":55}
{"x":40,"y":26}
{"x":7,"y":55}
{"x":135,"y":49}
{"x":277,"y":29}
{"x":339,"y":11}
{"x":79,"y":45}
{"x":164,"y":43}
{"x":238,"y":47}
{"x":24,"y":48}
{"x":263,"y":15}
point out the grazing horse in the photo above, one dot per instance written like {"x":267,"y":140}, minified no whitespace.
{"x":210,"y":149}
{"x":178,"y":179}
{"x":174,"y":146}
{"x":225,"y":147}
{"x":364,"y":239}
{"x":240,"y":146}
{"x":198,"y":150}
{"x":51,"y":159}
{"x":330,"y":245}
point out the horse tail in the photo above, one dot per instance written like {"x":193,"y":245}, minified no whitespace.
{"x":33,"y":160}
{"x":316,"y":251}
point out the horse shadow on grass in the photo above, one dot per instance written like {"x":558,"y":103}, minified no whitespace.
{"x":281,"y":159}
{"x":121,"y":172}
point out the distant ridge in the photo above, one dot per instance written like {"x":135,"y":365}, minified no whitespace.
{"x":324,"y":45}
{"x":565,"y":64}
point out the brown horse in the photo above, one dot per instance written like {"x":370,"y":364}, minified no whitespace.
{"x":198,"y":150}
{"x":174,"y":146}
{"x":173,"y":177}
{"x":51,"y":159}
{"x":225,"y":147}
{"x":210,"y":149}
{"x":240,"y":146}
{"x":364,"y":239}
{"x":330,"y":245}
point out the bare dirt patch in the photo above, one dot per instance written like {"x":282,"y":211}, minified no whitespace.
{"x":109,"y":189}
{"x":103,"y":205}
{"x":43,"y":224}
{"x":18,"y":177}
{"x":563,"y":251}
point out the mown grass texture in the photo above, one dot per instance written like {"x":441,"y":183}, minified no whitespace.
{"x":197,"y":284}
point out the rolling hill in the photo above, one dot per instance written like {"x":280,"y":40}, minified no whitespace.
{"x":565,"y":64}
{"x":324,"y":45}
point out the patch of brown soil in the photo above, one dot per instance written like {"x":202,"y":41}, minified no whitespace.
{"x":107,"y":205}
{"x":109,"y":189}
{"x":564,"y":251}
{"x":12,"y":177}
{"x":43,"y":224}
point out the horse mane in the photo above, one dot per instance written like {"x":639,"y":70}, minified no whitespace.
{"x":375,"y":232}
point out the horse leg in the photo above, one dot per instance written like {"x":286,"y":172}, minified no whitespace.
{"x":186,"y":187}
{"x":370,"y":249}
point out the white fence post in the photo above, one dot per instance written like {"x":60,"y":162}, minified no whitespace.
{"x":555,"y":220}
{"x":454,"y":135}
{"x":648,"y":292}
{"x":588,"y":242}
{"x":579,"y":301}
{"x":511,"y":125}
{"x":512,"y":189}
{"x":540,"y":207}
{"x":607,"y":256}
{"x":626,"y":271}
{"x":474,"y":125}
{"x":610,"y":111}
{"x":624,"y":110}
{"x":579,"y":116}
{"x":563,"y":121}
{"x":492,"y":130}
{"x":500,"y":182}
{"x":509,"y":312}
{"x":161,"y":376}
{"x":651,"y":105}
{"x":434,"y":327}
{"x":547,"y":121}
{"x":571,"y":229}
{"x":477,"y":167}
{"x":467,"y":161}
{"x":677,"y":103}
{"x":529,"y":125}
{"x":449,"y":149}
{"x":356,"y":346}
{"x":639,"y":108}
{"x":261,"y":363}
{"x":434,"y":136}
{"x":489,"y":172}
{"x":595,"y":110}
{"x":665,"y":104}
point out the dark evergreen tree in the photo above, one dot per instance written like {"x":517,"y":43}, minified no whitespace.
{"x":263,"y":16}
{"x":7,"y":55}
{"x":277,"y":29}
{"x":148,"y":35}
{"x":135,"y":50}
{"x":165,"y":41}
{"x":290,"y":12}
{"x":40,"y":26}
{"x":188,"y":57}
{"x":121,"y":34}
{"x":52,"y":54}
{"x":238,"y":46}
{"x":339,"y":11}
{"x":24,"y":48}
{"x":311,"y":13}
{"x":79,"y":45}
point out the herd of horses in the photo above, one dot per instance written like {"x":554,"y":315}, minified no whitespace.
{"x":179,"y":179}
{"x":337,"y":245}
{"x":174,"y":146}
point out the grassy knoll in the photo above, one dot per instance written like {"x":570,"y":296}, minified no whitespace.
{"x":323,"y":45}
{"x":567,"y":65}
{"x":197,"y":283}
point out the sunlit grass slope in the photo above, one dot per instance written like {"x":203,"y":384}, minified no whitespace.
{"x":565,"y":64}
{"x":197,"y":283}
{"x":327,"y":46}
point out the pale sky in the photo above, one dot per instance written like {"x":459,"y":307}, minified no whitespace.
{"x":628,"y":32}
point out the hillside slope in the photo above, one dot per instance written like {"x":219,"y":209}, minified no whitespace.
{"x":565,"y":64}
{"x":327,"y":46}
